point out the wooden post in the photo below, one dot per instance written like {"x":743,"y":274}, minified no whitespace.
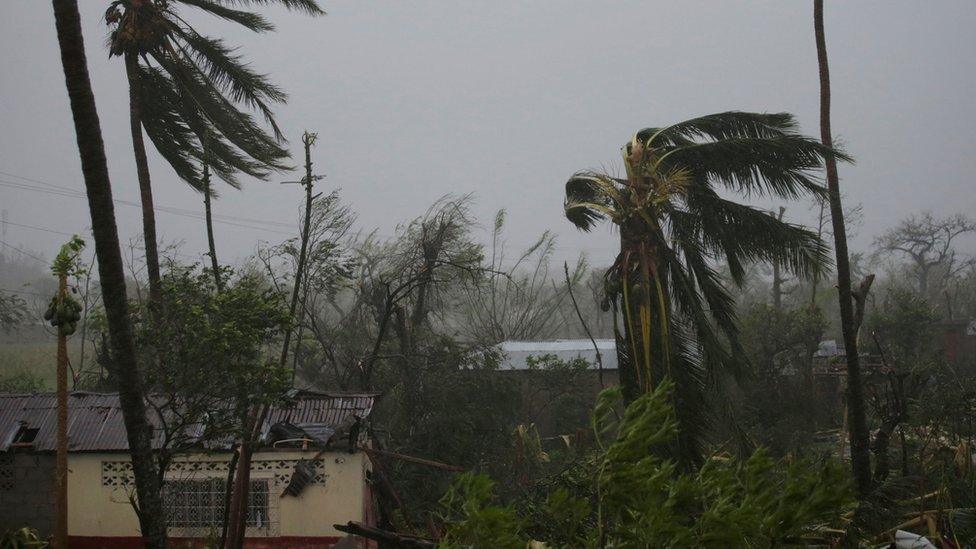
{"x":61,"y":528}
{"x":308,"y":139}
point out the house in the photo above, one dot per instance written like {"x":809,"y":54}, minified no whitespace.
{"x":515,"y":354}
{"x":556,"y":402}
{"x":307,"y":476}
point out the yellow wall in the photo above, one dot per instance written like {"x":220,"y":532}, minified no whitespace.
{"x":97,"y":510}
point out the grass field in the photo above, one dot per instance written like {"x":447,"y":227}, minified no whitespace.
{"x":32,"y":358}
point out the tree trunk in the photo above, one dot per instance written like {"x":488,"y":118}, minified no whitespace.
{"x":110,"y":269}
{"x":859,"y":436}
{"x":816,"y":277}
{"x":237,"y":521}
{"x":778,"y":275}
{"x":61,"y":529}
{"x":145,"y":185}
{"x":210,"y":232}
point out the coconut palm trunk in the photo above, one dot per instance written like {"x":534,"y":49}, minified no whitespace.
{"x":145,"y":183}
{"x":859,"y":436}
{"x":678,"y":313}
{"x":92,"y":152}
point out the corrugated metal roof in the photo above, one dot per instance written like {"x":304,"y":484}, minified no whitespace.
{"x":516,"y":353}
{"x":95,"y":419}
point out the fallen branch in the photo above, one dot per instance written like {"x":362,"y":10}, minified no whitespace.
{"x":412,"y":459}
{"x":405,"y":541}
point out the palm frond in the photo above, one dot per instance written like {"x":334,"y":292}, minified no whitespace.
{"x":749,"y":234}
{"x":720,"y":126}
{"x":233,"y":77}
{"x":309,"y":7}
{"x":249,"y":20}
{"x":781,"y":166}
{"x":165,"y":127}
{"x":688,"y":374}
{"x":588,"y":200}
{"x":204,"y":99}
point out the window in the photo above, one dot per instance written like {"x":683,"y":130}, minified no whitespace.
{"x":25,"y":436}
{"x":200,"y":503}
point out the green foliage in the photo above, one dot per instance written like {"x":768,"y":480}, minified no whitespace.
{"x":211,"y":355}
{"x":453,"y":407}
{"x":23,"y":381}
{"x":903,"y":325}
{"x":679,"y":318}
{"x":66,"y":263}
{"x":778,"y":405}
{"x":644,"y":500}
{"x":25,"y":538}
{"x":64,"y":311}
{"x":475,"y":520}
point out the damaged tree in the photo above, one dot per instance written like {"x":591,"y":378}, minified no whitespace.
{"x":859,"y":436}
{"x":105,"y":232}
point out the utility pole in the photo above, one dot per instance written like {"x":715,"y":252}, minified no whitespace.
{"x":237,"y":506}
{"x":308,"y":139}
{"x":63,"y":313}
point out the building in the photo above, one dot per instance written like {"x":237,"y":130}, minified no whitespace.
{"x":307,"y":477}
{"x":556,"y":400}
{"x":515,"y":354}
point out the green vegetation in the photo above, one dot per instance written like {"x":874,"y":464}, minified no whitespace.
{"x":641,"y":498}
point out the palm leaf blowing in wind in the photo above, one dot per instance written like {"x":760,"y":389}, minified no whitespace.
{"x":675,"y":227}
{"x":194,"y":95}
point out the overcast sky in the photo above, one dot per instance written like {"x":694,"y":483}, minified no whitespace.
{"x":414,"y":100}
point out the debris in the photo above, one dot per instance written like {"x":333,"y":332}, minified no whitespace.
{"x":303,"y":475}
{"x":404,"y":541}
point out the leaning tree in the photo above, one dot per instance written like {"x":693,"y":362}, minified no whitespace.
{"x":675,"y":227}
{"x":189,"y":92}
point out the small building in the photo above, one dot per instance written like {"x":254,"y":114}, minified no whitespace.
{"x":556,"y":403}
{"x":515,"y":354}
{"x":307,"y":476}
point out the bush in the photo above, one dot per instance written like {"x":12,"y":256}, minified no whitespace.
{"x":642,"y":499}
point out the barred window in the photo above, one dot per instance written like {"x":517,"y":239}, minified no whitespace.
{"x":200,"y":503}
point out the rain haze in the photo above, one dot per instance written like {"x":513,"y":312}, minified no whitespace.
{"x":731,"y":301}
{"x":505,"y":100}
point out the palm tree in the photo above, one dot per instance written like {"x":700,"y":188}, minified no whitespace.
{"x":187,"y":89}
{"x":859,"y":435}
{"x":111,"y":274}
{"x":678,"y":315}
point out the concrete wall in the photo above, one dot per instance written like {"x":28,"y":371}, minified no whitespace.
{"x":99,"y":488}
{"x":27,"y":491}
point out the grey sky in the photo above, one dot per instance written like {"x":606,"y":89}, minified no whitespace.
{"x":413,"y":100}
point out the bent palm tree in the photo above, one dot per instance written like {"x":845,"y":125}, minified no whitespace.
{"x":678,"y":315}
{"x":94,"y":168}
{"x":186,"y":89}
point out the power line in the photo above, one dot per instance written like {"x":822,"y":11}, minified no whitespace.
{"x":47,"y":230}
{"x":166,"y":209}
{"x":32,"y":256}
{"x":229,"y":220}
{"x":169,"y":209}
{"x":39,"y":228}
{"x":22,"y":292}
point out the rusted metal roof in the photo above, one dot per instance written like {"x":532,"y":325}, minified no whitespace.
{"x":95,"y":419}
